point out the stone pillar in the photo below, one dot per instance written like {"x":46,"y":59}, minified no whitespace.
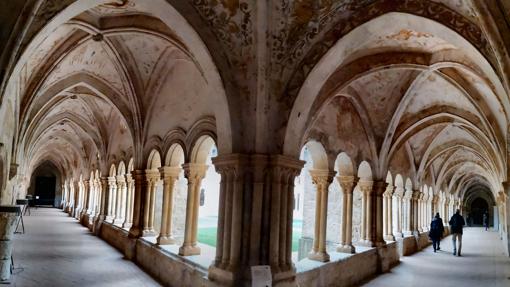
{"x":112,"y":191}
{"x":86,"y":197}
{"x":152,"y":177}
{"x":128,"y":218}
{"x":77,"y":194}
{"x":255,"y":220}
{"x":169,"y":175}
{"x":397,"y":198}
{"x":446,"y":212}
{"x":415,"y":212}
{"x":407,"y":217}
{"x":121,"y":194}
{"x":102,"y":204}
{"x":366,"y":212}
{"x":194,"y":173}
{"x":420,"y":209}
{"x":347,"y":184}
{"x":388,"y":213}
{"x":379,"y":188}
{"x":140,"y":183}
{"x":91,"y":196}
{"x":321,"y":179}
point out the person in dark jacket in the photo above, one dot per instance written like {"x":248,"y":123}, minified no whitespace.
{"x":436,"y":231}
{"x":486,"y":221}
{"x":456,"y":224}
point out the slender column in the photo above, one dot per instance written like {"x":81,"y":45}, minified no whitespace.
{"x":414,"y":212}
{"x":194,"y":173}
{"x":419,"y":209}
{"x":119,"y":206}
{"x":388,"y":198}
{"x":103,"y":186}
{"x":169,"y":175}
{"x":397,"y":198}
{"x":128,"y":218}
{"x":377,"y":236}
{"x":152,"y":177}
{"x":256,"y":200}
{"x":112,"y":188}
{"x":140,"y":187}
{"x":86,"y":197}
{"x":77,"y":193}
{"x":347,"y":184}
{"x":366,"y":212}
{"x":321,"y":179}
{"x":407,"y":212}
{"x":91,"y":197}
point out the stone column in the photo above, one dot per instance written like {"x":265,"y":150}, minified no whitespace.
{"x":152,"y":177}
{"x":128,"y":218}
{"x":119,"y":206}
{"x":194,"y":173}
{"x":377,"y":213}
{"x":169,"y":175}
{"x":388,"y":208}
{"x":91,"y":196}
{"x":321,"y":179}
{"x":415,"y":212}
{"x":140,"y":193}
{"x":255,"y":220}
{"x":397,"y":198}
{"x":77,"y":194}
{"x":408,"y":194}
{"x":420,"y":199}
{"x":366,"y":212}
{"x":112,"y":191}
{"x":86,"y":197}
{"x":446,"y":212}
{"x":347,"y":184}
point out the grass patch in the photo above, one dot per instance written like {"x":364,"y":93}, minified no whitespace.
{"x":207,"y":235}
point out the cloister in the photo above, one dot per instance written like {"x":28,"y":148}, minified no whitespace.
{"x":204,"y":138}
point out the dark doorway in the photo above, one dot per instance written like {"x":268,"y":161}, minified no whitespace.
{"x":45,"y":189}
{"x":478,"y":208}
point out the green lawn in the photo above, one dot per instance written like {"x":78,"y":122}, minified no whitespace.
{"x":207,"y":235}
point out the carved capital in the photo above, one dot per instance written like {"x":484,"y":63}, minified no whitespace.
{"x":346,"y":183}
{"x":152,"y":176}
{"x":112,"y":181}
{"x":366,"y":186}
{"x":321,"y":178}
{"x":194,"y":171}
{"x":379,"y":187}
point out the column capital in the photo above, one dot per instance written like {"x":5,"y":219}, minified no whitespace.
{"x":112,"y":180}
{"x":390,"y":190}
{"x":366,"y":186}
{"x":416,"y":194}
{"x":194,"y":170}
{"x":168,"y":172}
{"x":346,"y":183}
{"x":120,"y":179}
{"x":322,"y":177}
{"x":152,"y":175}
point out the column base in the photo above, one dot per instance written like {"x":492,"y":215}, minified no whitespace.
{"x":127,"y":225}
{"x":148,"y":233}
{"x":109,"y":218}
{"x":118,"y":221}
{"x":398,"y":235}
{"x":407,"y":233}
{"x":346,"y":249}
{"x":189,"y":250}
{"x":366,"y":243}
{"x":162,"y":240}
{"x":389,"y":237}
{"x":228,"y":278}
{"x":135,"y":232}
{"x":319,"y":256}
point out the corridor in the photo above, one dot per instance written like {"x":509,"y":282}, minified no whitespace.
{"x":57,"y":251}
{"x":483,"y":263}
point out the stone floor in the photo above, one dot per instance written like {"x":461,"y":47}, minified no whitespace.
{"x":483,"y":264}
{"x":57,"y":251}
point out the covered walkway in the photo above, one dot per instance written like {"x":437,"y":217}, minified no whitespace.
{"x":483,"y":263}
{"x":57,"y":251}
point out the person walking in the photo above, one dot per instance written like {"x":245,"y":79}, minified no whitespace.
{"x":486,"y":221}
{"x":436,"y":231}
{"x":456,"y":224}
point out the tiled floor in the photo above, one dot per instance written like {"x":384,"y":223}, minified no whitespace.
{"x":483,"y":264}
{"x":57,"y":251}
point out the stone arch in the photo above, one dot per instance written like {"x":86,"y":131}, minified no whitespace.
{"x":365,"y":171}
{"x":154,"y":160}
{"x":201,"y":149}
{"x":175,"y":156}
{"x":317,"y":154}
{"x":344,"y":165}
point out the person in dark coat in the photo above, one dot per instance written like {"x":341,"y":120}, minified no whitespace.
{"x":486,"y":221}
{"x":436,"y":231}
{"x":456,"y":224}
